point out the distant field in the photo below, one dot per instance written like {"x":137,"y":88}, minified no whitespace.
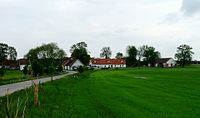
{"x":137,"y":92}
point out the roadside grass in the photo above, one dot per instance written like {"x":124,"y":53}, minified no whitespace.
{"x":13,"y":76}
{"x":137,"y":92}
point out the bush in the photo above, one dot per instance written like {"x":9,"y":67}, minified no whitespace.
{"x":37,"y":68}
{"x":25,"y":70}
{"x":51,"y":70}
{"x":80,"y":69}
{"x":60,"y":68}
{"x":2,"y":72}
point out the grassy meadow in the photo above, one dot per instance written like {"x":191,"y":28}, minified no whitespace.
{"x":136,"y":92}
{"x":12,"y":76}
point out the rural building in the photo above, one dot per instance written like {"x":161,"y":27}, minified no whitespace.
{"x":22,"y":63}
{"x":10,"y":64}
{"x":108,"y":63}
{"x":165,"y":62}
{"x":72,"y":64}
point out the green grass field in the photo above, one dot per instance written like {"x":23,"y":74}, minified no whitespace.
{"x":12,"y":76}
{"x":137,"y":92}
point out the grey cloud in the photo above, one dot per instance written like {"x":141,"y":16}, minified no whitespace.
{"x":190,"y":7}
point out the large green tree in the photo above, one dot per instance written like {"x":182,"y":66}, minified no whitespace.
{"x":6,"y":53}
{"x":140,"y":53}
{"x":45,"y":56}
{"x":3,"y":52}
{"x":151,"y":55}
{"x":79,"y":51}
{"x":132,"y":55}
{"x":12,"y":53}
{"x":184,"y":54}
{"x":106,"y":52}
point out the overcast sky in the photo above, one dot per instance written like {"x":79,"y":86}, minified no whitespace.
{"x":164,"y":24}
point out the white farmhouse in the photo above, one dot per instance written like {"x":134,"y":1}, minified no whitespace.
{"x":72,"y":64}
{"x":165,"y":62}
{"x":107,"y":63}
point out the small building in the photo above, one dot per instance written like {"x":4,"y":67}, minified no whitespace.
{"x":165,"y":62}
{"x":72,"y":64}
{"x":22,"y":63}
{"x":107,"y":63}
{"x":10,"y":64}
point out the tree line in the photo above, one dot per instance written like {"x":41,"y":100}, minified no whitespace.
{"x":6,"y":53}
{"x":147,"y":55}
{"x":47,"y":58}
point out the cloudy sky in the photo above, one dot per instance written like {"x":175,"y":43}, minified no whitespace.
{"x":164,"y":24}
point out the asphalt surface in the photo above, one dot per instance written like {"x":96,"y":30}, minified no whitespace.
{"x":11,"y":88}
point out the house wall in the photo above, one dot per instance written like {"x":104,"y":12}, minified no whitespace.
{"x":21,"y":67}
{"x":171,"y":63}
{"x":76,"y":64}
{"x":107,"y":66}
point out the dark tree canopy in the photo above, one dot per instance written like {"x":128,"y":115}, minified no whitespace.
{"x":79,"y":45}
{"x":79,"y":51}
{"x":106,"y":52}
{"x":140,"y":54}
{"x":119,"y":55}
{"x":46,"y":51}
{"x":7,"y":53}
{"x":45,"y":56}
{"x":12,"y":53}
{"x":150,"y":55}
{"x":184,"y":54}
{"x":3,"y":52}
{"x":132,"y":54}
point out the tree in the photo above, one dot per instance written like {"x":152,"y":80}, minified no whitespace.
{"x":80,"y":45}
{"x":106,"y":52}
{"x":132,"y":54}
{"x":44,"y":56}
{"x":51,"y":71}
{"x":3,"y":53}
{"x":79,"y":51}
{"x":25,"y":70}
{"x":1,"y":72}
{"x":184,"y":54}
{"x":12,"y":53}
{"x":119,"y":55}
{"x":140,"y":53}
{"x":150,"y":56}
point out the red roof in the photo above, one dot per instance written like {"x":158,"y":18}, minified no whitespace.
{"x":108,"y":61}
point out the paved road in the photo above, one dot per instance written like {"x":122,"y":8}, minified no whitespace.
{"x":11,"y":88}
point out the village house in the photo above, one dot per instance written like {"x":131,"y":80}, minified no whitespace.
{"x":107,"y":63}
{"x":22,"y":63}
{"x":10,"y":64}
{"x":72,"y":64}
{"x":165,"y":62}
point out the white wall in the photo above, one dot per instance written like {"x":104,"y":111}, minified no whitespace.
{"x":108,"y":65}
{"x":21,"y":67}
{"x":76,"y":64}
{"x":171,"y":62}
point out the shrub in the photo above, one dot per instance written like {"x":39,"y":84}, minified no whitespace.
{"x":80,"y":69}
{"x":25,"y":70}
{"x":1,"y":72}
{"x":60,"y":68}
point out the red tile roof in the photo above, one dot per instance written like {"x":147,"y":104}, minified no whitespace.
{"x":108,"y":61}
